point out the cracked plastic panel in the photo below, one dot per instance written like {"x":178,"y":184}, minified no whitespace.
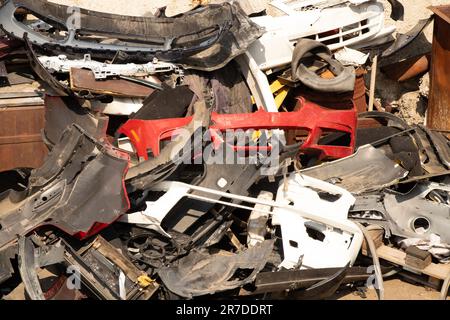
{"x":79,"y":189}
{"x":201,"y":272}
{"x":314,"y":244}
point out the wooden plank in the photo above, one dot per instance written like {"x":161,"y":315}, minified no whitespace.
{"x":377,"y":237}
{"x":21,"y":143}
{"x":417,"y":258}
{"x":439,"y":271}
{"x":24,"y":87}
{"x":434,"y":281}
{"x":22,"y":155}
{"x":15,"y":95}
{"x":20,"y":139}
{"x":438,"y":112}
{"x":442,"y":11}
{"x":19,"y":121}
{"x":15,"y":79}
{"x":21,"y":102}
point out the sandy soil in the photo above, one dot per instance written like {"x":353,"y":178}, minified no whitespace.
{"x":408,"y":98}
{"x":395,"y":289}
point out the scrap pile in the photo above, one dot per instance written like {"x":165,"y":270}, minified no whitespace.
{"x":222,"y":149}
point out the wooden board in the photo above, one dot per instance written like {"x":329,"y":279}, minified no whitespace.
{"x":21,"y":102}
{"x":22,"y":155}
{"x":84,"y":80}
{"x":438,"y":112}
{"x":21,"y":143}
{"x":438,"y":271}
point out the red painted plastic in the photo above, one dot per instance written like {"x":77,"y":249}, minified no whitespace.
{"x":310,"y":117}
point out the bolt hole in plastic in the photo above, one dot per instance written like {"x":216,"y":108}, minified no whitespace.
{"x":293,"y":244}
{"x":421,"y":225}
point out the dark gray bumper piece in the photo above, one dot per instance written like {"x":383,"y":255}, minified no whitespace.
{"x":61,"y":112}
{"x":6,"y":268}
{"x":79,"y":189}
{"x":410,"y":215}
{"x":359,"y":173}
{"x":201,"y":273}
{"x":204,"y":39}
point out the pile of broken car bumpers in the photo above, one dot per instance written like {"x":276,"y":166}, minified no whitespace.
{"x":217,"y":152}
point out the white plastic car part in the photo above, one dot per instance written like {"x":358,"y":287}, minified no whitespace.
{"x":294,"y":6}
{"x":103,"y":70}
{"x":316,"y":244}
{"x":351,"y":57}
{"x":257,"y":82}
{"x":257,"y":222}
{"x":299,"y":208}
{"x":119,"y":106}
{"x":125,"y":144}
{"x":338,"y":26}
{"x":156,"y":211}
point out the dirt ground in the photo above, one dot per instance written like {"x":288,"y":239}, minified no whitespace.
{"x":409,"y":98}
{"x":394,"y":289}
